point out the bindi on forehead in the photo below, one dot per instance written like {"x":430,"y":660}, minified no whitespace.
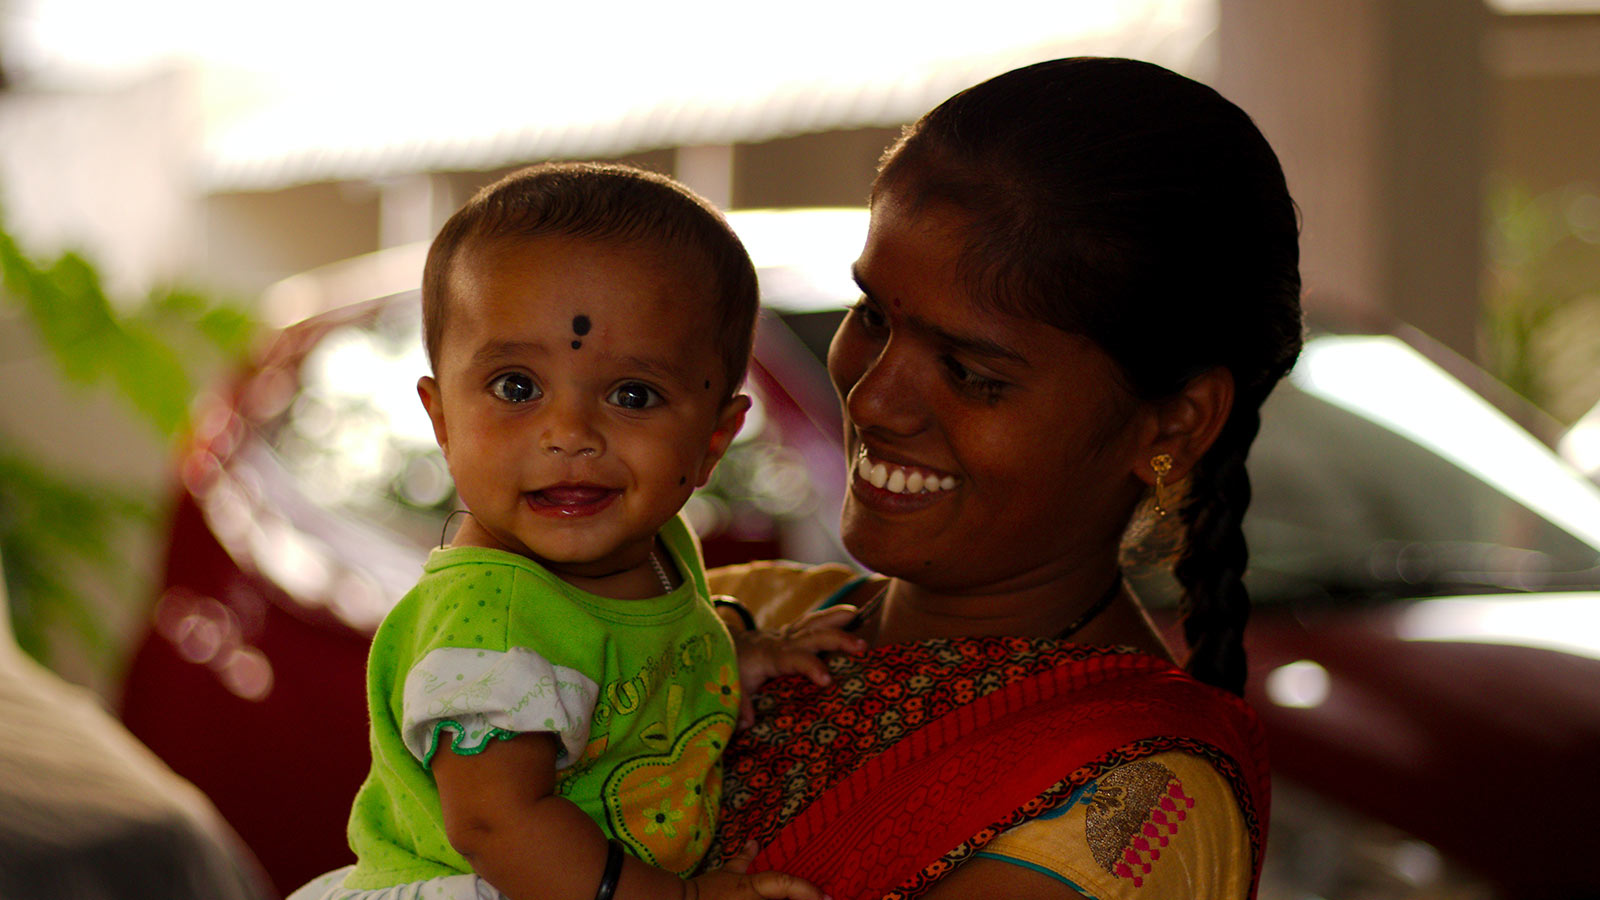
{"x":580,"y":327}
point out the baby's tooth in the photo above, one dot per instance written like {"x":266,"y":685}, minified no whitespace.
{"x":879,"y":475}
{"x":863,"y":468}
{"x":914,"y":483}
{"x":897,"y":481}
{"x":948,"y":482}
{"x":931,"y":484}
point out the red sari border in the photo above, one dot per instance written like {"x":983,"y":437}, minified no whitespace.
{"x":971,"y":771}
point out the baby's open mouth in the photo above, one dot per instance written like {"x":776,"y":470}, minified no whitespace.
{"x":571,"y":499}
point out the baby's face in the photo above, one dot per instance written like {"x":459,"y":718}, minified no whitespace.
{"x":578,"y":396}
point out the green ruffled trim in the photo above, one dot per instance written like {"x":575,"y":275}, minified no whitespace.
{"x":460,"y":733}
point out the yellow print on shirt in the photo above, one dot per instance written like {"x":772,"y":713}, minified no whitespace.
{"x":663,"y":805}
{"x":625,"y":695}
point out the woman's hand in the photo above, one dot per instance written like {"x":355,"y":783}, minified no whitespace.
{"x":731,"y":883}
{"x":791,"y":650}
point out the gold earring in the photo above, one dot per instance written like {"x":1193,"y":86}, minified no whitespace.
{"x":1162,"y":464}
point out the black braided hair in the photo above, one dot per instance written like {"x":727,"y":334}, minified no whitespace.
{"x":1117,"y":200}
{"x":1211,"y":567}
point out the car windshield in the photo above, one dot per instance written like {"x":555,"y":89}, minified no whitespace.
{"x":1377,"y":474}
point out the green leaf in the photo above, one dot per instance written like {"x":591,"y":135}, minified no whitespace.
{"x":54,"y":529}
{"x":231,"y":330}
{"x":51,"y":528}
{"x":152,"y":378}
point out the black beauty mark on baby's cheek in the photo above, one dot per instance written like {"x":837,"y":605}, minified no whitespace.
{"x":683,"y":480}
{"x":708,"y":384}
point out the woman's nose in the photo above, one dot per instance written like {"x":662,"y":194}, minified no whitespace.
{"x":568,"y":429}
{"x":887,"y":397}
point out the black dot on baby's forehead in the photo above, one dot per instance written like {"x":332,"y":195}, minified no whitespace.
{"x":577,"y":344}
{"x":708,"y":384}
{"x":580,"y":325}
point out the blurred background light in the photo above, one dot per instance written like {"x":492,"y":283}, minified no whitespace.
{"x":1566,"y":623}
{"x":1581,"y":444}
{"x":1302,"y":684}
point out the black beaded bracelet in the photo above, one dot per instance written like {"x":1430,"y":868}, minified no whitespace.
{"x":738,"y":608}
{"x":613,"y":872}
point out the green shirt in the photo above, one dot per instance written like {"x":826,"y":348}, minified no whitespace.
{"x":641,"y":694}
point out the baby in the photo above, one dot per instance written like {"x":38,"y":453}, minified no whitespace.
{"x":550,"y":703}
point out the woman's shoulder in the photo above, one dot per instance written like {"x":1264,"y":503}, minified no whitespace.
{"x":779,"y":591}
{"x":1166,"y":826}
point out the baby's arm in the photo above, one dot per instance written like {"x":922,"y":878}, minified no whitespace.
{"x":765,"y":654}
{"x":501,"y":813}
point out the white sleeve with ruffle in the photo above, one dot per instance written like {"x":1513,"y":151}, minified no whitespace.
{"x":481,"y":695}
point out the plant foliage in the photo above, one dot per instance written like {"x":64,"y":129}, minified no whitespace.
{"x":55,"y":527}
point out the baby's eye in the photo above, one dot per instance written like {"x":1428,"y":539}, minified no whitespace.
{"x":515,"y":387}
{"x":634,"y":395}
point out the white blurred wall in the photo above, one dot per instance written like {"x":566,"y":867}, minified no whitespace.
{"x":108,"y":172}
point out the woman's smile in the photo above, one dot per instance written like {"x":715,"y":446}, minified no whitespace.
{"x":895,"y":478}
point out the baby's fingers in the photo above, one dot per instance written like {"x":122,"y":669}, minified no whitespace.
{"x":832,"y":617}
{"x":796,"y":660}
{"x":823,"y":640}
{"x":747,"y":711}
{"x":739,"y":862}
{"x":779,"y":885}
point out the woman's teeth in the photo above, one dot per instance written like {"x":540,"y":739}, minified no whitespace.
{"x":896,"y":480}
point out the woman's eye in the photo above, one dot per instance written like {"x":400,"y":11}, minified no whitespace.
{"x":633,"y":395}
{"x":515,"y":387}
{"x":971,"y":382}
{"x":870,"y":316}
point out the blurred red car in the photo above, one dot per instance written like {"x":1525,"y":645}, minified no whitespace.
{"x":1428,"y":624}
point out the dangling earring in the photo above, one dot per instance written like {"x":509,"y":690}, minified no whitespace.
{"x":1162,"y":464}
{"x":446,"y":526}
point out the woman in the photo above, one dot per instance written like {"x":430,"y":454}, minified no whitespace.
{"x":1079,"y":284}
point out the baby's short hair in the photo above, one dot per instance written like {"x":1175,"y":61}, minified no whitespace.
{"x":602,"y":202}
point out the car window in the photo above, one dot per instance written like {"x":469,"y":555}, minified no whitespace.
{"x":355,"y":437}
{"x":1343,"y":504}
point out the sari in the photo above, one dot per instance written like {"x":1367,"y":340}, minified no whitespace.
{"x":919,"y":755}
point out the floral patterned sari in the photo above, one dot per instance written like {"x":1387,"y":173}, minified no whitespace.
{"x":918,"y":755}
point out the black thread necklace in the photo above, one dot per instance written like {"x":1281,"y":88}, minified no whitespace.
{"x":1095,"y":609}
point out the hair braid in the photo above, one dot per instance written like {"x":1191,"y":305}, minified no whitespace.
{"x":1211,"y":569}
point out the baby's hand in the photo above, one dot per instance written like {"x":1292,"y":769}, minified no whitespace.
{"x":731,"y":883}
{"x":792,"y":650}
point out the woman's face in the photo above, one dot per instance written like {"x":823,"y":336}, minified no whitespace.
{"x":989,"y":452}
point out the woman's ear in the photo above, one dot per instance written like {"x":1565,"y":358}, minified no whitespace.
{"x":729,"y":421}
{"x":1187,"y":424}
{"x":428,"y":391}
